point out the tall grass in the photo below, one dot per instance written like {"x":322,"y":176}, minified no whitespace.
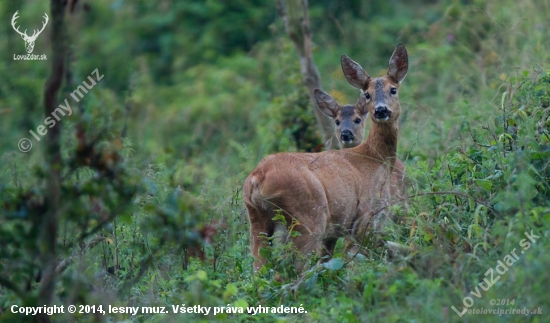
{"x":474,"y":138}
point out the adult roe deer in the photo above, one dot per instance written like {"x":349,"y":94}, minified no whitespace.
{"x":334,"y":193}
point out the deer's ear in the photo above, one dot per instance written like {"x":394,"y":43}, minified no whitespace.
{"x":361,"y":105}
{"x":326,"y":103}
{"x":399,"y":63}
{"x":354,"y":73}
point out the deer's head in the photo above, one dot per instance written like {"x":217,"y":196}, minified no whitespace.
{"x":381,"y":92}
{"x":349,"y":119}
{"x":29,"y":40}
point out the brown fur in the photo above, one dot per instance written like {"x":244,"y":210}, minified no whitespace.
{"x":348,"y":118}
{"x":332,"y":193}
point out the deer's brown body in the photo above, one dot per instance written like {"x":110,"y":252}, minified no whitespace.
{"x":333,"y":193}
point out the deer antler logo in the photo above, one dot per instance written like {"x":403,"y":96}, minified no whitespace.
{"x":29,"y":40}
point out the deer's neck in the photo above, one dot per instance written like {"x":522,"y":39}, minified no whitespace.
{"x":381,"y":143}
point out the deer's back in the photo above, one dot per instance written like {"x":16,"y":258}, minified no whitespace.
{"x":334,"y":180}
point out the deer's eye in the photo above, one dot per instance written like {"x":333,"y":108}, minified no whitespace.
{"x":393,"y":90}
{"x":367,"y":95}
{"x":337,"y":122}
{"x":358,"y":120}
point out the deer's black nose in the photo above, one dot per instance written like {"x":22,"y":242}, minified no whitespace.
{"x":347,"y":135}
{"x":382,"y":112}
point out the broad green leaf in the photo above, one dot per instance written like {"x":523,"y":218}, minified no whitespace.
{"x":334,"y":264}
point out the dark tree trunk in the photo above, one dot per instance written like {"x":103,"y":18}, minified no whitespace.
{"x":48,"y":236}
{"x":295,"y":15}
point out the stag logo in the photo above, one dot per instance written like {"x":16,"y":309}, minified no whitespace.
{"x":29,"y":40}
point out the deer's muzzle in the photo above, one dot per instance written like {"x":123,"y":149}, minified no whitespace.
{"x":347,"y":136}
{"x":382,"y":113}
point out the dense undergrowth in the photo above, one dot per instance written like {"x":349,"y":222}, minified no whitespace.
{"x":153,"y":215}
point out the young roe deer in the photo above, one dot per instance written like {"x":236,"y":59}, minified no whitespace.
{"x":333,"y":193}
{"x":349,"y":123}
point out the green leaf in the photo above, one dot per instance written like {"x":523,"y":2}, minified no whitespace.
{"x":265,"y":253}
{"x":279,"y":217}
{"x":230,"y":290}
{"x":356,"y":257}
{"x":295,"y":234}
{"x":126,"y":218}
{"x":339,"y":247}
{"x":239,"y":266}
{"x":540,"y":155}
{"x":485,"y":184}
{"x":216,"y":283}
{"x":202,"y":275}
{"x":241,"y":303}
{"x":334,"y":264}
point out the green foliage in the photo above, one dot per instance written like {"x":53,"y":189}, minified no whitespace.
{"x":204,"y":90}
{"x":287,"y":124}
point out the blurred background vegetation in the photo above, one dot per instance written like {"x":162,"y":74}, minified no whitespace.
{"x":195,"y":93}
